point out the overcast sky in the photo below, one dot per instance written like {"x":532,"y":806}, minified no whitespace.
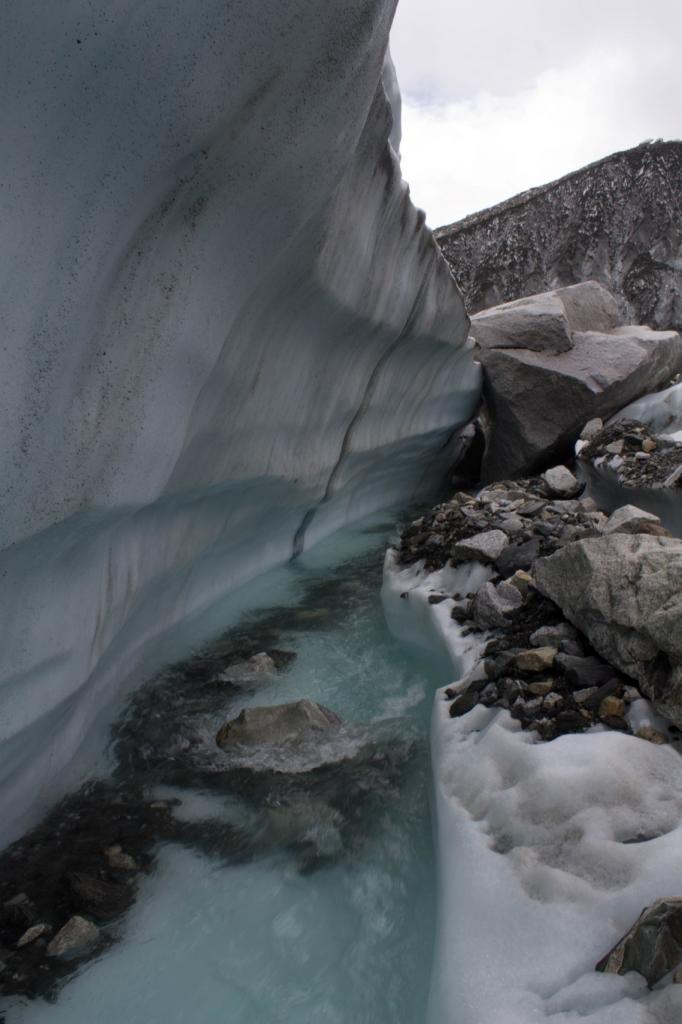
{"x":501,"y":95}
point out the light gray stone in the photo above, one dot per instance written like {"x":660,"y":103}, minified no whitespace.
{"x":561,"y":483}
{"x":539,"y":402}
{"x":31,"y":934}
{"x":538,"y":322}
{"x":281,"y":724}
{"x":563,"y":636}
{"x":494,"y":605}
{"x":623,"y":592}
{"x":591,"y":429}
{"x":76,"y":938}
{"x":483,"y":547}
{"x":249,"y":673}
{"x":589,"y":306}
{"x":630,"y":519}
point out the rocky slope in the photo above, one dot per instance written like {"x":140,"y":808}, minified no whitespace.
{"x":617,"y":221}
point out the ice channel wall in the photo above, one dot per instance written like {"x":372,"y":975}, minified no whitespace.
{"x":225,"y":330}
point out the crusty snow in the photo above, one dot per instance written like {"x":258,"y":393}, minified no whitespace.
{"x":547,"y":852}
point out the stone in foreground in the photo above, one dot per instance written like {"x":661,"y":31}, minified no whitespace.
{"x":540,"y":401}
{"x":561,"y":483}
{"x":630,"y":519}
{"x":652,"y":947}
{"x":482,"y":547}
{"x":495,"y":605}
{"x":76,"y":938}
{"x":623,"y":592}
{"x":538,"y":323}
{"x":279,"y":725}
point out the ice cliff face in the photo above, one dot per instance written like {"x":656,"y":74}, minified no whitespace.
{"x":618,"y":221}
{"x":225,"y":329}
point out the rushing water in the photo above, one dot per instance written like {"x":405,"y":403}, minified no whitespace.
{"x":344,"y":940}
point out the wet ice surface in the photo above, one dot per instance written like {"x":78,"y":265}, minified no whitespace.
{"x":344,"y":938}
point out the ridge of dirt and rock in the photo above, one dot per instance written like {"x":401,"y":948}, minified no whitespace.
{"x":617,"y":221}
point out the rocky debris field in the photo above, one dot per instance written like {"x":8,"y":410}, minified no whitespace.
{"x":66,"y":884}
{"x":534,"y":663}
{"x":631,"y":451}
{"x":579,"y":620}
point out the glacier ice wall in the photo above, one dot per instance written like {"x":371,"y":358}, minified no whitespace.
{"x":225,"y":329}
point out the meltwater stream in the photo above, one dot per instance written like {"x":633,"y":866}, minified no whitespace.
{"x":346,"y":939}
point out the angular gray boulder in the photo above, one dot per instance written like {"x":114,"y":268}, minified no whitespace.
{"x":546,"y":322}
{"x":538,"y":322}
{"x":540,"y":401}
{"x":623,"y":591}
{"x":589,"y":306}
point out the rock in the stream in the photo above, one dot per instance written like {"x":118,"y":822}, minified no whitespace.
{"x":249,"y":673}
{"x":623,"y":592}
{"x":76,"y":938}
{"x":652,"y":947}
{"x":279,"y":725}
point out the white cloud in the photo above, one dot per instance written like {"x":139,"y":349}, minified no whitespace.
{"x":505,"y":97}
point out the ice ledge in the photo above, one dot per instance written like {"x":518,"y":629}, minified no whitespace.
{"x":546,"y":852}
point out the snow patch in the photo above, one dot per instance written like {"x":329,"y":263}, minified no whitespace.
{"x":547,"y":852}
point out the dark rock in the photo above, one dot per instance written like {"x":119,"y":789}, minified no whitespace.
{"x":570,"y":721}
{"x":518,"y":556}
{"x":464,"y":703}
{"x":584,"y":672}
{"x":615,"y":722}
{"x":460,"y":613}
{"x":100,"y":897}
{"x":489,"y":695}
{"x":652,"y":947}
